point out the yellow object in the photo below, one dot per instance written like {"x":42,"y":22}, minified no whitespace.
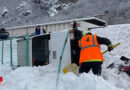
{"x":113,"y":47}
{"x":85,"y":32}
{"x":71,"y":68}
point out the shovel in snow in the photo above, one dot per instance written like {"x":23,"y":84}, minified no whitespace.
{"x":74,"y":68}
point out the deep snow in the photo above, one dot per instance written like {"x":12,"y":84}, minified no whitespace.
{"x":44,"y":77}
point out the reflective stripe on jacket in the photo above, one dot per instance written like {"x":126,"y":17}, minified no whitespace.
{"x":90,"y":49}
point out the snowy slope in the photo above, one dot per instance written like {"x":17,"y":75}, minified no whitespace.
{"x":44,"y":78}
{"x":27,"y":12}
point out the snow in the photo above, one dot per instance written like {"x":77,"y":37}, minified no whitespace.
{"x":53,"y":10}
{"x":44,"y":77}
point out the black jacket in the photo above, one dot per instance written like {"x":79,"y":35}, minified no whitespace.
{"x":103,"y":40}
{"x":77,"y":34}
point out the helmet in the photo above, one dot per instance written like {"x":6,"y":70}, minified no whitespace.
{"x":85,"y":32}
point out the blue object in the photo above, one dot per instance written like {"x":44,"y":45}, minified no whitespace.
{"x":37,"y":31}
{"x":4,"y":35}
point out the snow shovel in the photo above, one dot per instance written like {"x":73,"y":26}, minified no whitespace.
{"x":74,"y":68}
{"x":71,"y":68}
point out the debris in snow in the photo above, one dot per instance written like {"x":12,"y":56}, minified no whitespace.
{"x":27,"y":13}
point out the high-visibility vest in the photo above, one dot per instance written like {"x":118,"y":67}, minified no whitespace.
{"x":90,"y":49}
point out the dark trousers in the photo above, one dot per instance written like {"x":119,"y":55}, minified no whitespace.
{"x":95,"y":66}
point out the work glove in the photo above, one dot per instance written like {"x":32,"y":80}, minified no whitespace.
{"x":110,"y":47}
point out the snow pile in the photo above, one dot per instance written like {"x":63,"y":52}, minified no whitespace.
{"x":44,"y":77}
{"x":116,"y":33}
{"x":85,"y":81}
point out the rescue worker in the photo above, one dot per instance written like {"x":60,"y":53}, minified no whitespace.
{"x":75,"y":48}
{"x":90,"y":54}
{"x":77,"y":33}
{"x":37,"y":30}
{"x":44,"y":31}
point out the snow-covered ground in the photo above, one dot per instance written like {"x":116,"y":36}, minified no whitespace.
{"x":44,"y":77}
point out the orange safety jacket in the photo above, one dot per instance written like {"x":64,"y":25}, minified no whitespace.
{"x":90,"y":49}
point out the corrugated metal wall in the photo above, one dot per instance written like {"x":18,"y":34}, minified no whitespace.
{"x":14,"y":32}
{"x":49,"y":27}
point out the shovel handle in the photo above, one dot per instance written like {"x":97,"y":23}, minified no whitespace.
{"x":113,"y":47}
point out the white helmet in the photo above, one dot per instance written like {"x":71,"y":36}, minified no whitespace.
{"x":85,"y":32}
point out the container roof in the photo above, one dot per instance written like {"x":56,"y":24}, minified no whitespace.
{"x":92,"y":20}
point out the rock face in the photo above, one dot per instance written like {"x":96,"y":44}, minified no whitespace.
{"x":65,"y":1}
{"x":29,"y":12}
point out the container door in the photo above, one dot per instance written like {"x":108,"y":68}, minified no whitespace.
{"x":40,"y":50}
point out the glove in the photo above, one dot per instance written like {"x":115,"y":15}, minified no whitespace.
{"x":110,"y":47}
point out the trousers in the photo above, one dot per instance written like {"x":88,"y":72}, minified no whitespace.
{"x":95,"y":66}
